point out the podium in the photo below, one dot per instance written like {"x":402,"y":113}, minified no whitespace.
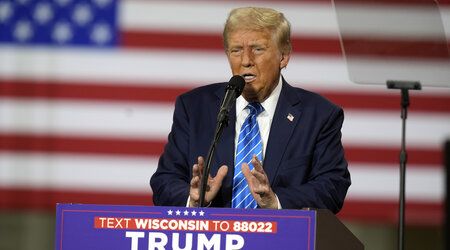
{"x":146,"y":227}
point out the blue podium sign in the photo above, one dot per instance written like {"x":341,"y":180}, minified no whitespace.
{"x":147,"y":227}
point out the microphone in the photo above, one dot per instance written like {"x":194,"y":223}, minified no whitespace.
{"x":233,"y":91}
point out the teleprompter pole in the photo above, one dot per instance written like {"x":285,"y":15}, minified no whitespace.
{"x":404,"y":86}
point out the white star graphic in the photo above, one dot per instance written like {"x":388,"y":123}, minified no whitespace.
{"x":170,"y":212}
{"x":186,"y":213}
{"x":201,"y":213}
{"x":178,"y":212}
{"x":194,"y":213}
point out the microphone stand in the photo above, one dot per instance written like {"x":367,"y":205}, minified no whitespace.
{"x":221,"y":124}
{"x":404,"y":86}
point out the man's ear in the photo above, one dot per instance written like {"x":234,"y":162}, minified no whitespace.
{"x":284,"y":60}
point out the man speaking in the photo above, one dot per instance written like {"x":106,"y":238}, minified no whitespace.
{"x":283,"y":146}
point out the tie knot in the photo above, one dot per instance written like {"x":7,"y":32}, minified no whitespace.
{"x":255,"y":108}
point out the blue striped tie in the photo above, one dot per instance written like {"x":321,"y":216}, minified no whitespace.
{"x":249,"y":143}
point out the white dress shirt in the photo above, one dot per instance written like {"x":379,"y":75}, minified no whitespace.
{"x":264,"y":118}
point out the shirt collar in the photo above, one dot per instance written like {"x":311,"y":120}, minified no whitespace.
{"x":269,"y":104}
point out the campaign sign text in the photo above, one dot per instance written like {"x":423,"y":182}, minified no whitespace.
{"x":146,"y":227}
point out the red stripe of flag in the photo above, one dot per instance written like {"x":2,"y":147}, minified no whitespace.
{"x":158,"y":93}
{"x":389,"y":2}
{"x":46,"y":199}
{"x":388,"y":155}
{"x":136,"y":147}
{"x":379,"y":211}
{"x":84,"y":91}
{"x":374,"y":101}
{"x":197,"y":41}
{"x":80,"y":145}
{"x":307,"y":45}
{"x":403,"y":2}
{"x":437,"y":49}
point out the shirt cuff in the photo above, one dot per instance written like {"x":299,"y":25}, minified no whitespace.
{"x":278,"y":200}
{"x":189,"y":199}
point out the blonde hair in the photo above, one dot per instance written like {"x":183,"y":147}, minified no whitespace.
{"x":253,"y":18}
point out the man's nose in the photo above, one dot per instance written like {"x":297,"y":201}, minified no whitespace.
{"x":247,"y":58}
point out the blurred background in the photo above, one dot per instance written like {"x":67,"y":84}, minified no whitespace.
{"x":87,"y":91}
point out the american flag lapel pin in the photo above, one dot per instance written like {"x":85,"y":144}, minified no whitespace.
{"x":290,"y":117}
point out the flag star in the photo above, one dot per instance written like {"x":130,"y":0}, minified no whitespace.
{"x":23,"y":31}
{"x":5,"y":11}
{"x":186,"y":213}
{"x":23,"y":2}
{"x":102,"y":3}
{"x":62,"y":32}
{"x":63,"y":3}
{"x":178,"y":212}
{"x":101,"y":33}
{"x":43,"y":13}
{"x":201,"y":213}
{"x":82,"y":14}
{"x":194,"y":213}
{"x":170,"y":212}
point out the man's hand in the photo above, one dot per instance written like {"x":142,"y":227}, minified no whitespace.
{"x":212,"y":186}
{"x":259,"y":185}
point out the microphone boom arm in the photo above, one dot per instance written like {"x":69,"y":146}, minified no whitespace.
{"x":219,"y":129}
{"x":233,"y":90}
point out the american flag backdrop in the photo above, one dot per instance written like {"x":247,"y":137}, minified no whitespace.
{"x":87,"y":91}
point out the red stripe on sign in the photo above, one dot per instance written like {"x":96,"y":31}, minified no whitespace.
{"x":157,"y":92}
{"x":197,"y":41}
{"x":46,"y":199}
{"x":82,"y":145}
{"x":379,"y":211}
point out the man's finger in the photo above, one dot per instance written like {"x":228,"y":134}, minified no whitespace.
{"x":221,"y":173}
{"x":216,"y":182}
{"x":200,"y":164}
{"x":246,"y":171}
{"x":195,"y":170}
{"x":257,"y":164}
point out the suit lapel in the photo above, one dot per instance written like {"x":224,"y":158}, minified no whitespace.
{"x":284,"y":122}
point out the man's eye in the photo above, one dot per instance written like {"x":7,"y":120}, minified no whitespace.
{"x":258,"y":50}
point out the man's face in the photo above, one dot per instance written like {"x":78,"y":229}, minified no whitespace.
{"x":255,"y":56}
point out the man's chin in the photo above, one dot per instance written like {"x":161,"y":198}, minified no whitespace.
{"x":250,"y":95}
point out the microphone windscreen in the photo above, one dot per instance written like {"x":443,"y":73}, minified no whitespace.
{"x":237,"y":82}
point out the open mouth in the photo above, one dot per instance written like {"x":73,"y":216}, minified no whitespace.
{"x":249,"y":77}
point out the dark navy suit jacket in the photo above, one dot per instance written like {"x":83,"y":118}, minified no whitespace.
{"x":304,"y":159}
